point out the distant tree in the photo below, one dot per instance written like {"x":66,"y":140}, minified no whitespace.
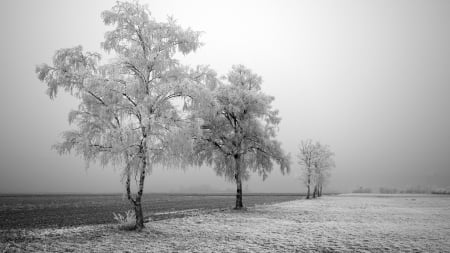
{"x":306,"y":157}
{"x":322,"y":164}
{"x":315,"y":161}
{"x":239,"y":127}
{"x":128,"y":111}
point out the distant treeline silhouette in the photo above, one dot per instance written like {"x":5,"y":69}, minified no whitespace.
{"x":362,"y":190}
{"x":409,"y":190}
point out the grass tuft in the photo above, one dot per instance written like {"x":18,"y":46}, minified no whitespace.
{"x":126,"y":222}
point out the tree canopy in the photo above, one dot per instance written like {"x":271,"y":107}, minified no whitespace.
{"x":239,"y":128}
{"x":127,"y":114}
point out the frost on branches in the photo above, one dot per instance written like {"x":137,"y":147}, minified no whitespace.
{"x":239,"y":126}
{"x":315,"y":162}
{"x":144,"y":108}
{"x":128,"y":113}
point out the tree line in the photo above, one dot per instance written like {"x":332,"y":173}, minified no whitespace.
{"x":144,"y":108}
{"x":409,"y":190}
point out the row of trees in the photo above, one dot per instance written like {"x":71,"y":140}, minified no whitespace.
{"x":144,"y":108}
{"x":315,"y":161}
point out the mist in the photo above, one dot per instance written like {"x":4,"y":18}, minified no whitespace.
{"x":370,"y":79}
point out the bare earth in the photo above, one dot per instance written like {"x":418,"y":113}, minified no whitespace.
{"x":66,"y":210}
{"x":345,"y":223}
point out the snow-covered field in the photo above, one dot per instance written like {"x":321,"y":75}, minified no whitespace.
{"x":344,"y":223}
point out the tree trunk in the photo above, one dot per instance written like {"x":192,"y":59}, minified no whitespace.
{"x":127,"y":186}
{"x":138,"y":203}
{"x":315,"y":191}
{"x":239,"y":204}
{"x":308,"y":184}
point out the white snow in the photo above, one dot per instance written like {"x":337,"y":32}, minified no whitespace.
{"x":330,"y":224}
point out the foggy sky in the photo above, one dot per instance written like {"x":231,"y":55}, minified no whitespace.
{"x":369,"y":78}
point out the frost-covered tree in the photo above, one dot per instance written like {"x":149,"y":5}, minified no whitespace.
{"x":306,"y":156}
{"x":322,"y":165}
{"x":128,"y":113}
{"x":315,"y":160}
{"x":239,"y":127}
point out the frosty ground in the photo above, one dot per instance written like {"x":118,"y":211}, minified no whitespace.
{"x":344,"y":223}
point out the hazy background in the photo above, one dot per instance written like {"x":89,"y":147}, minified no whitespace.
{"x":369,"y":78}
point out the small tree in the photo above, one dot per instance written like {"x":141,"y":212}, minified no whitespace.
{"x":306,"y":156}
{"x":315,"y":160}
{"x":322,"y":164}
{"x":126,"y":113}
{"x":239,"y":126}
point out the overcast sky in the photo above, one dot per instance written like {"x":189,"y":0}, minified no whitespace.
{"x":369,"y":78}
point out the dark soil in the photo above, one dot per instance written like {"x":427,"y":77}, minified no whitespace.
{"x":53,"y":211}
